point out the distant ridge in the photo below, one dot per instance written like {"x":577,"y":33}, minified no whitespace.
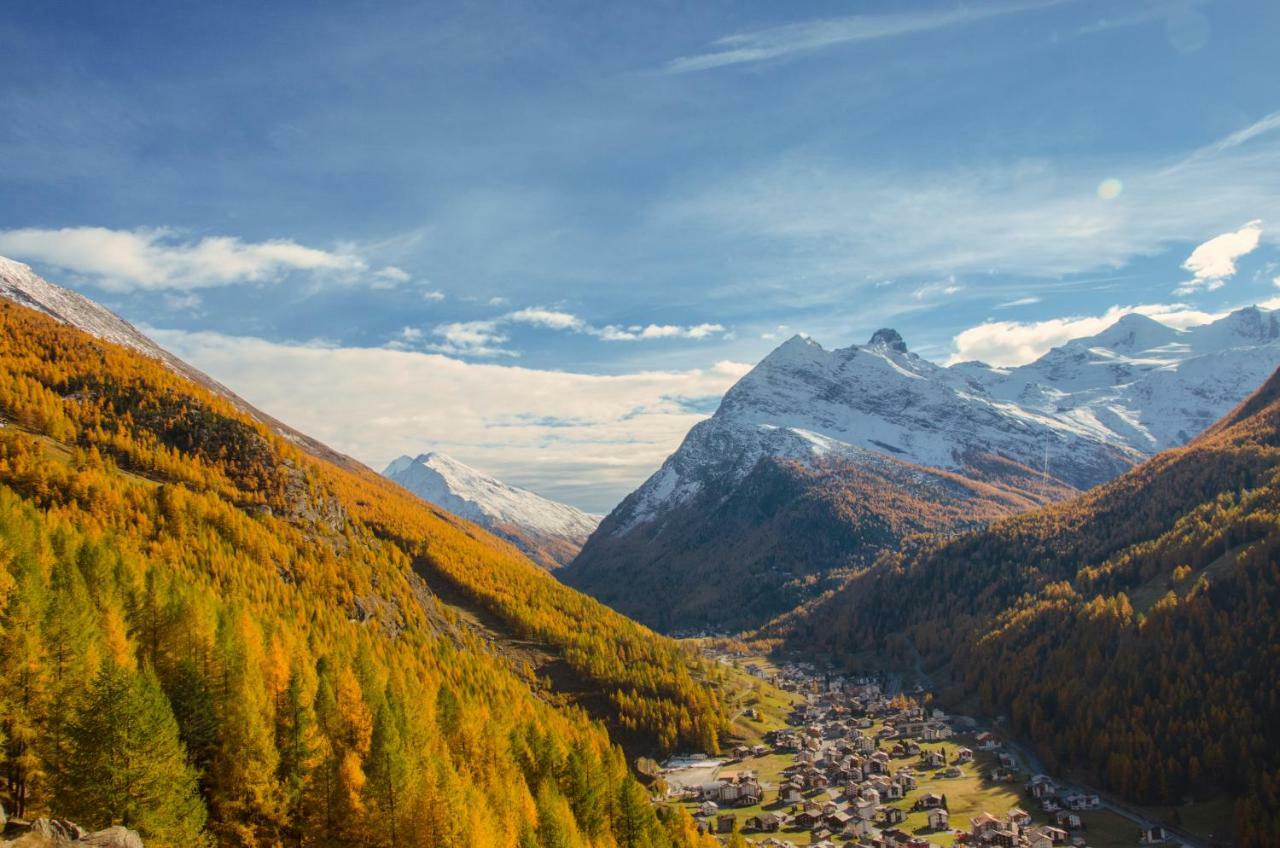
{"x":550,"y":533}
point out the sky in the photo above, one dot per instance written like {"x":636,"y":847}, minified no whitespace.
{"x":545,"y":237}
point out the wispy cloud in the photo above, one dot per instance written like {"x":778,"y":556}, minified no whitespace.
{"x":162,"y":259}
{"x":809,"y":36}
{"x":821,"y":219}
{"x":1022,"y":301}
{"x":487,"y":338}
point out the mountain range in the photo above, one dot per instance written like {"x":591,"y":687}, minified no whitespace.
{"x":817,"y":460}
{"x":548,"y":532}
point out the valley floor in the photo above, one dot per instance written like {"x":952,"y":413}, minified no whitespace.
{"x":784,"y":718}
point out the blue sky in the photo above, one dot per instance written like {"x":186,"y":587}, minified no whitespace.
{"x":544,"y":237}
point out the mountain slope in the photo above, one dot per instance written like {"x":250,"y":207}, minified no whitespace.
{"x":21,"y":285}
{"x":300,"y":625}
{"x":1130,"y":631}
{"x":548,"y":532}
{"x":923,"y":449}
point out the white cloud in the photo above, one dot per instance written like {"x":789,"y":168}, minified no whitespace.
{"x":485,"y":338}
{"x":160,"y":259}
{"x":1022,"y":301}
{"x":472,"y":338}
{"x":394,"y":274}
{"x":585,"y":438}
{"x":1214,"y":262}
{"x":1009,"y":343}
{"x":553,"y":319}
{"x":433,"y":296}
{"x":931,"y":290}
{"x":808,"y":36}
{"x":657,"y":331}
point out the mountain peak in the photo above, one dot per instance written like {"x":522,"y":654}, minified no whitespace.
{"x":1133,"y":332}
{"x":888,"y":337}
{"x":548,"y":531}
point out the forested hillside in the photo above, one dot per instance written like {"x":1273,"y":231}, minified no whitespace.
{"x":209,"y":635}
{"x":1132,"y":631}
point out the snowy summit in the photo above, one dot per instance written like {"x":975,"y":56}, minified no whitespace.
{"x":549,"y":532}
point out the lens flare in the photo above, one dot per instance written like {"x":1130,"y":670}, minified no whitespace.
{"x":1110,"y":188}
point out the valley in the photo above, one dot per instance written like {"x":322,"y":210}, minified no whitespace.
{"x":809,"y":748}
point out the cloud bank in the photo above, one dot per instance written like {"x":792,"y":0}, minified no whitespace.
{"x":586,"y":439}
{"x":160,"y":259}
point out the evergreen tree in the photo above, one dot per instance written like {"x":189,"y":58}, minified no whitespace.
{"x":126,"y":764}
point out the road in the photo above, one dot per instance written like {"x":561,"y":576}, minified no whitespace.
{"x":1033,"y":765}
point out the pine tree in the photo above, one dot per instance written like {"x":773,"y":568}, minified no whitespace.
{"x":387,"y":768}
{"x":127,"y":765}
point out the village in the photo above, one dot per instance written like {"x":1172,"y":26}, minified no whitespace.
{"x":836,"y":762}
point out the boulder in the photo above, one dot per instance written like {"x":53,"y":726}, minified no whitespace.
{"x":113,"y":837}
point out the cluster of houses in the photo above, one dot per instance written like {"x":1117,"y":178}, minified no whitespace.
{"x":848,"y":743}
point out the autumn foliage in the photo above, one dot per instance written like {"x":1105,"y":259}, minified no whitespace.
{"x":212,"y":636}
{"x":1133,"y":631}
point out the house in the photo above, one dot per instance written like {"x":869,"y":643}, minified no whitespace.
{"x":929,"y":801}
{"x":988,"y":741}
{"x":1068,"y":819}
{"x":1036,"y":839}
{"x":838,"y":820}
{"x":724,"y":822}
{"x":806,"y":819}
{"x":933,"y":759}
{"x":1056,"y":834}
{"x":708,"y":808}
{"x":963,"y":755}
{"x":1153,"y":835}
{"x":893,"y":815}
{"x":939,"y":819}
{"x":983,"y":824}
{"x":1041,"y":786}
{"x":894,"y":838}
{"x":765,"y":823}
{"x":1019,"y":817}
{"x":935,"y":732}
{"x":1080,"y":801}
{"x":952,"y":771}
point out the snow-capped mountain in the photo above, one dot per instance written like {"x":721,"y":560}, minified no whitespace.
{"x":882,"y":416}
{"x":549,"y":532}
{"x":21,"y":285}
